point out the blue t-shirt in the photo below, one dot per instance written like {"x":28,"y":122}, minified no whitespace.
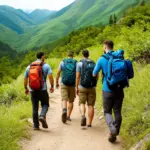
{"x":102,"y":64}
{"x":46,"y":71}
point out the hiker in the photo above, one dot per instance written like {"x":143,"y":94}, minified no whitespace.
{"x":36,"y":73}
{"x":114,"y":69}
{"x":86,"y":87}
{"x":68,"y":69}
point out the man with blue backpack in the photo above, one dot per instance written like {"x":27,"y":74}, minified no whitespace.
{"x":116,"y":74}
{"x":86,"y":87}
{"x":68,"y":69}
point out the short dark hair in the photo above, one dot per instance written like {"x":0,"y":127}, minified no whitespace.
{"x":70,"y":53}
{"x":85,"y":53}
{"x":110,"y":44}
{"x":39,"y":55}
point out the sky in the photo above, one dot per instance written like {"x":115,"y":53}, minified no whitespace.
{"x":33,"y":4}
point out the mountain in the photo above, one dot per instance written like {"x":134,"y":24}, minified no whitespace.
{"x":40,"y":15}
{"x":79,"y":14}
{"x":6,"y":50}
{"x":15,"y":19}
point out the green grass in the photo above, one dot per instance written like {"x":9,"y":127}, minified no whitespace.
{"x":13,"y":125}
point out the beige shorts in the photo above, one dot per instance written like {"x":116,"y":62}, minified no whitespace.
{"x":68,"y":93}
{"x":87,"y":95}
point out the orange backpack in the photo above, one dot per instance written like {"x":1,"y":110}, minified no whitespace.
{"x":36,"y":81}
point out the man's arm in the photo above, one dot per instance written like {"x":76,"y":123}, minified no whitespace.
{"x":77,"y":82}
{"x":51,"y":80}
{"x":97,"y":68}
{"x":57,"y":78}
{"x":26,"y":81}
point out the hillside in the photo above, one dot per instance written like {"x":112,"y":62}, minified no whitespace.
{"x":15,"y":19}
{"x":6,"y":51}
{"x":79,"y":14}
{"x":41,"y":15}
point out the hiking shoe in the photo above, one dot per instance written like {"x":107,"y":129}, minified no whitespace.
{"x":64,"y":117}
{"x":68,"y":118}
{"x":36,"y":128}
{"x":43,"y":121}
{"x":83,"y":121}
{"x":89,"y":126}
{"x":112,"y":138}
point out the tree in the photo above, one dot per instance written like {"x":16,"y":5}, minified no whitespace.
{"x":142,"y":3}
{"x":115,"y":19}
{"x":111,"y":20}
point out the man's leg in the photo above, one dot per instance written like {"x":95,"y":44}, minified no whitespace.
{"x":70,"y":108}
{"x":108,"y":99}
{"x":91,"y":103}
{"x":117,"y":107}
{"x":35,"y":107}
{"x":44,"y":98}
{"x":64,"y":95}
{"x":70,"y":101}
{"x":82,"y":101}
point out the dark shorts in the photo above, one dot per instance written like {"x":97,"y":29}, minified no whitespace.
{"x":41,"y":96}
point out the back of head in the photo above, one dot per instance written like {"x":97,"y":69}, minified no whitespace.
{"x":70,"y":54}
{"x":39,"y":55}
{"x":109,"y":44}
{"x":85,"y":53}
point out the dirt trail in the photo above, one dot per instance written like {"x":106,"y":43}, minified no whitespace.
{"x":69,"y":136}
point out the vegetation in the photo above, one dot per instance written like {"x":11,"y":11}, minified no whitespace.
{"x":95,"y":12}
{"x":131,"y":33}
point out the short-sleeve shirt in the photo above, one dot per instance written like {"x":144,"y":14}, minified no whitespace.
{"x":61,"y":67}
{"x":79,"y":69}
{"x":46,"y":71}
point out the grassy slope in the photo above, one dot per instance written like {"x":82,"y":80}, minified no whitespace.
{"x":79,"y":14}
{"x":15,"y":19}
{"x":13,"y":124}
{"x":93,"y":12}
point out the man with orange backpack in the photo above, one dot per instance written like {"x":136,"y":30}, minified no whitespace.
{"x":36,"y":73}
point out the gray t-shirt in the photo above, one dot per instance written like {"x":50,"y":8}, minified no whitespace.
{"x":79,"y":69}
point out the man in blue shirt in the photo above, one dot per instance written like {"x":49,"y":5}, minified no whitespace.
{"x":39,"y":95}
{"x":112,"y":99}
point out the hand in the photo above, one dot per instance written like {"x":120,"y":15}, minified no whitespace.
{"x":51,"y":90}
{"x":57,"y":85}
{"x":26,"y":91}
{"x":77,"y":91}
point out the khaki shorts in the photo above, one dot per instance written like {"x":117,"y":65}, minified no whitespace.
{"x":68,"y":93}
{"x":87,"y":96}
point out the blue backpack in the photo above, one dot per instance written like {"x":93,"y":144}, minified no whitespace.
{"x":119,"y":70}
{"x":69,"y":72}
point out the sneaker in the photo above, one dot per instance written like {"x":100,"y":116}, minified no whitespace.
{"x":83,"y":121}
{"x":112,"y":138}
{"x":36,"y":128}
{"x":64,"y":117}
{"x":43,"y":121}
{"x":68,"y":118}
{"x":89,"y":126}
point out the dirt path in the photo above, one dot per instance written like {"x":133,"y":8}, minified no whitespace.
{"x":69,"y":136}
